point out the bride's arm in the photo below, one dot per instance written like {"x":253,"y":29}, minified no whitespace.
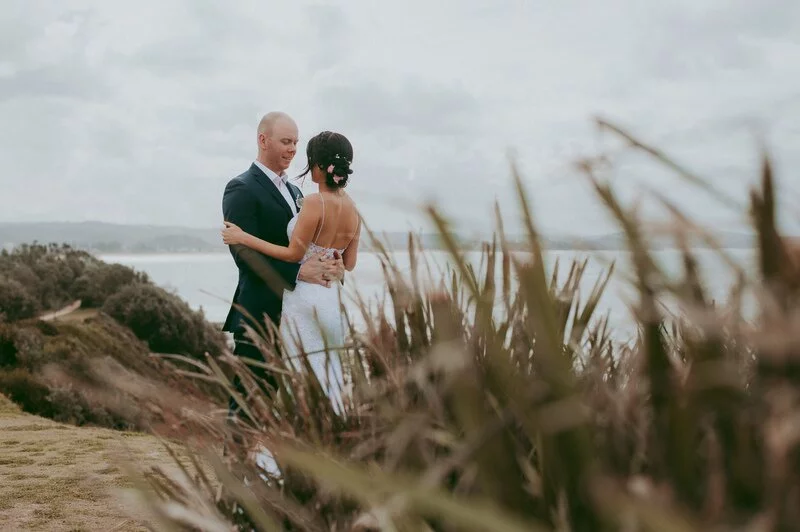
{"x":351,"y":253}
{"x":307,"y":223}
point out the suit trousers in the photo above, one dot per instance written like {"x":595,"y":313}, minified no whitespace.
{"x":267,"y":381}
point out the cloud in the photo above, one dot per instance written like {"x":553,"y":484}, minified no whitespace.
{"x":331,"y":31}
{"x":140,"y":112}
{"x":407,"y":107}
{"x":49,"y":61}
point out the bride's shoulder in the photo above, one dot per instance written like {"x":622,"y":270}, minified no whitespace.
{"x":313,"y":201}
{"x":347,"y":197}
{"x":351,"y":201}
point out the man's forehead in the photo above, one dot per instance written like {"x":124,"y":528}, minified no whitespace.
{"x":285,"y":122}
{"x":285,"y":129}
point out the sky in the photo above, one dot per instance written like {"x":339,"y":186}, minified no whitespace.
{"x":140,"y":112}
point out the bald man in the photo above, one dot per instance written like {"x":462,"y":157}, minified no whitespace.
{"x":261,"y":201}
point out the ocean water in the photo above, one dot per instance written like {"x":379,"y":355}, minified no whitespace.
{"x":208,"y":280}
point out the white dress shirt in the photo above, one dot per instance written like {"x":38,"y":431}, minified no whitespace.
{"x":280,"y":182}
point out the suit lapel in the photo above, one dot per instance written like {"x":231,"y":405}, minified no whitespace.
{"x":264,"y":180}
{"x":296,"y":194}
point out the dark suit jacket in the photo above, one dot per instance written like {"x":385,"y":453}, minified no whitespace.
{"x":255,"y":204}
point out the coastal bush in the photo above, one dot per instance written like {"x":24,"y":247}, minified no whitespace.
{"x":36,"y":278}
{"x":16,"y":302}
{"x":99,"y":282}
{"x":54,"y":276}
{"x":28,"y":392}
{"x":164,"y":321}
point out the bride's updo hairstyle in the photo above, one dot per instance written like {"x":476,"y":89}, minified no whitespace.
{"x":333,"y":153}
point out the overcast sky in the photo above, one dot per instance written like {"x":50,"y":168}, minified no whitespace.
{"x":141,"y":111}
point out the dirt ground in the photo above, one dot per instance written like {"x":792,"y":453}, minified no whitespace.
{"x":61,"y":477}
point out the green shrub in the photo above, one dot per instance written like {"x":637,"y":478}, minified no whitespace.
{"x":16,"y":302}
{"x":21,"y":346}
{"x":55,"y":276}
{"x":164,"y":321}
{"x":8,"y":348}
{"x":27,"y":391}
{"x":99,"y":282}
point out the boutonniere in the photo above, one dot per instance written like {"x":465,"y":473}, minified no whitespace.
{"x":299,"y":203}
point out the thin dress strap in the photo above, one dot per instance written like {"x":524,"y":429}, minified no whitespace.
{"x":358,"y":228}
{"x":321,"y":221}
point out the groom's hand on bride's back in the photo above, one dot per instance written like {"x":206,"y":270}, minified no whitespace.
{"x":338,"y":266}
{"x":319,"y":270}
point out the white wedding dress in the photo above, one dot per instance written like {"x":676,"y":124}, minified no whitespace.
{"x":311,"y":319}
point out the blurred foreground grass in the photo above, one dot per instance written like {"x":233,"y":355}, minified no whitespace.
{"x":462,"y":415}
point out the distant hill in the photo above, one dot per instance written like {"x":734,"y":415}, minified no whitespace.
{"x":112,"y":238}
{"x":101,"y":237}
{"x":610,"y":242}
{"x":726,"y":239}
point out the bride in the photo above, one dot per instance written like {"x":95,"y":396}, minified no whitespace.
{"x":328,"y":222}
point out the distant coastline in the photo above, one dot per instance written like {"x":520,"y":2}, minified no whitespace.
{"x":116,"y":239}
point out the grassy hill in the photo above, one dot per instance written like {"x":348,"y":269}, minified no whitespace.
{"x":77,"y":338}
{"x":66,"y":366}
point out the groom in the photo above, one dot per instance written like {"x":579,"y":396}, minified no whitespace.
{"x":261,"y":201}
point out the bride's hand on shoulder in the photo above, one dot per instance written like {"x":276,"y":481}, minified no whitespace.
{"x":232,"y":234}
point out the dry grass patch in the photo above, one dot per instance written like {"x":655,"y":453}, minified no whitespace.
{"x":59,"y":477}
{"x":7,"y":408}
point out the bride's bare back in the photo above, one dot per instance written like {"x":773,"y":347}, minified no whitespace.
{"x":339,"y":221}
{"x":331,"y":221}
